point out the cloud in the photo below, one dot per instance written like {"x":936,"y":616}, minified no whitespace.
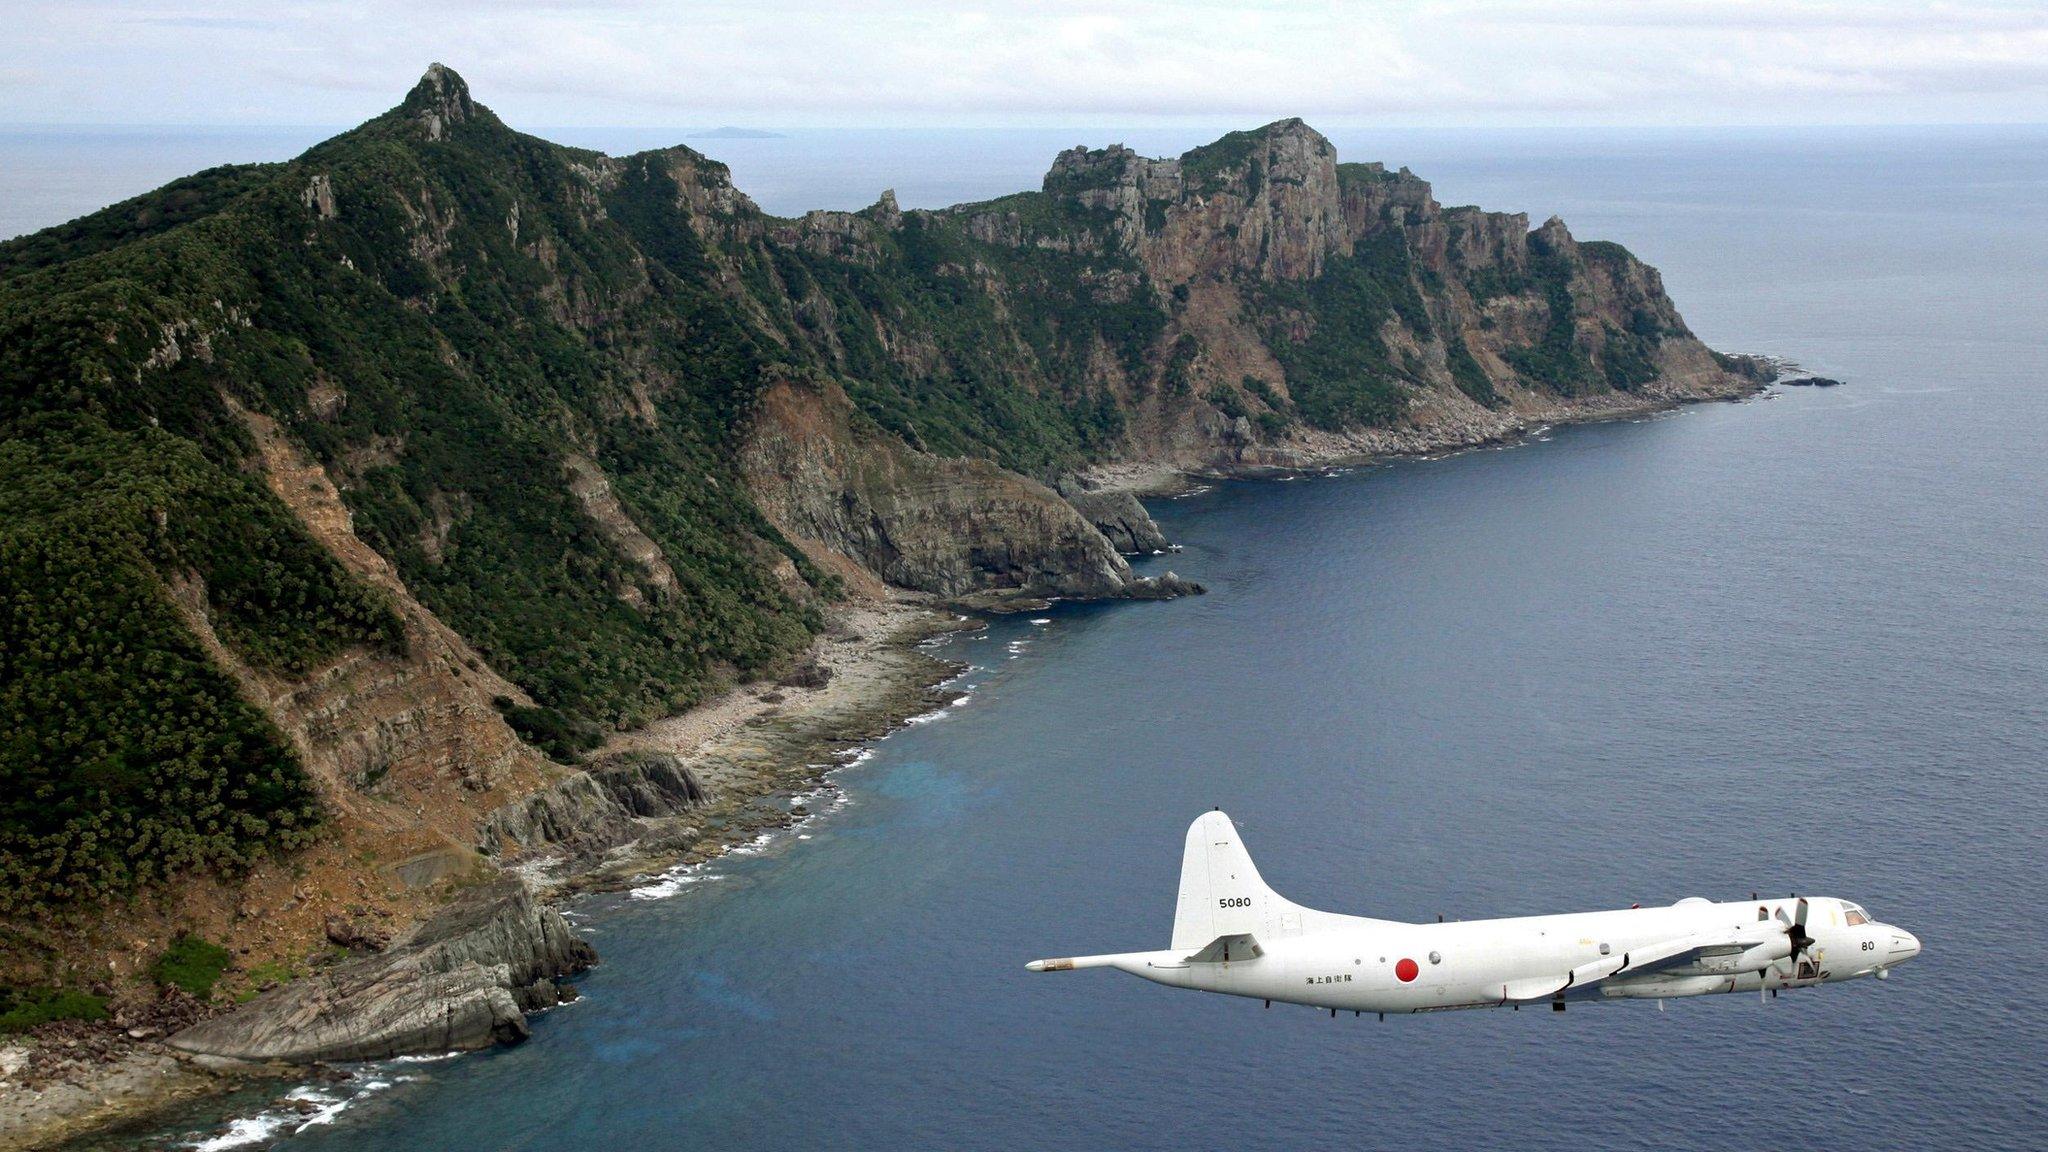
{"x":925,"y":61}
{"x":207,"y":22}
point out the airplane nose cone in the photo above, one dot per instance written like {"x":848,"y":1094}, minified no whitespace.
{"x":1904,"y":945}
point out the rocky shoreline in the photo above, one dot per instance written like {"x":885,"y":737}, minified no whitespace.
{"x":678,"y":793}
{"x":1488,"y":428}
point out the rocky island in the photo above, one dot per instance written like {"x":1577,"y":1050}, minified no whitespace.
{"x":447,"y":518}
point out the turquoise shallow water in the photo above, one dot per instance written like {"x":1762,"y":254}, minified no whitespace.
{"x":1798,"y":643}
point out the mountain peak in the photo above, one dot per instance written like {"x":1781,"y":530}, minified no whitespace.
{"x":1293,"y":129}
{"x":439,"y":100}
{"x":1292,"y":126}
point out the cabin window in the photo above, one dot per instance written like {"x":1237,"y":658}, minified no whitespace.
{"x":1604,"y":949}
{"x":1763,"y":913}
{"x":1436,"y":957}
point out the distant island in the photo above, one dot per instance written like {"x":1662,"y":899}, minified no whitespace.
{"x":363,"y":514}
{"x":731,"y":133}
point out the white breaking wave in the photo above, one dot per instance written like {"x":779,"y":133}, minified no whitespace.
{"x":673,"y":881}
{"x":752,"y":847}
{"x":308,"y":1108}
{"x":940,"y":712}
{"x":820,"y":800}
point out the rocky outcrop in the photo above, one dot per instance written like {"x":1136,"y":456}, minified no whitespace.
{"x":593,"y":489}
{"x":1264,"y":203}
{"x":463,"y":980}
{"x":1119,"y":516}
{"x":439,"y":102}
{"x":596,"y":809}
{"x":1169,"y":586}
{"x":950,"y":527}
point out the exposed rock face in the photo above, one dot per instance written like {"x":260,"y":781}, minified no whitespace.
{"x":319,"y":196}
{"x":593,"y":490}
{"x":373,"y":721}
{"x":596,"y":809}
{"x":1119,"y":517}
{"x":463,"y":980}
{"x":439,"y":101}
{"x":952,"y":527}
{"x":1261,"y":202}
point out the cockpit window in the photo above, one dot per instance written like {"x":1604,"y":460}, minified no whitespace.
{"x":1852,"y":915}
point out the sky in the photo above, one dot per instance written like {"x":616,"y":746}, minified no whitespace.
{"x":922,"y":63}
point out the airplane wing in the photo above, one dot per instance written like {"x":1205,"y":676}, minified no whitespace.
{"x":1663,"y":954}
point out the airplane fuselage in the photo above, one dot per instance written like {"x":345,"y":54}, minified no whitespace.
{"x":1232,"y":934}
{"x":1390,"y":966}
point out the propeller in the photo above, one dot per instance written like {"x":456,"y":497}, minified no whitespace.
{"x":1795,"y":931}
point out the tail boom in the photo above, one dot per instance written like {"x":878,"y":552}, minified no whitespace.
{"x":1137,"y":963}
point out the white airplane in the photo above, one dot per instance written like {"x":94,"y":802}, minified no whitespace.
{"x":1234,"y":935}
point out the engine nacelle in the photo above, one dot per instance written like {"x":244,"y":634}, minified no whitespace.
{"x":1752,"y":959}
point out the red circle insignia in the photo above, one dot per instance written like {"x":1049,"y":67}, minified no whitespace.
{"x":1407,"y":970}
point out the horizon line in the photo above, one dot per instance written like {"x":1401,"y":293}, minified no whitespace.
{"x":253,"y":126}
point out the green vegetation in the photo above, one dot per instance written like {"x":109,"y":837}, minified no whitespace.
{"x":1205,"y":168}
{"x":23,"y":1008}
{"x":126,"y":755}
{"x":1466,"y":373}
{"x":1626,"y":358}
{"x":1180,"y":365}
{"x":1266,"y":393}
{"x":1352,"y":176}
{"x":1343,"y":373}
{"x":1556,"y":361}
{"x":1495,"y":281}
{"x":179,"y":202}
{"x":193,"y":964}
{"x":559,"y":734}
{"x":1226,"y":400}
{"x":1606,"y":252}
{"x":463,"y":387}
{"x":977,"y":396}
{"x":265,"y":976}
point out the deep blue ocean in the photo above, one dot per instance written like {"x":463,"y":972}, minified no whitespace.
{"x":1798,"y":643}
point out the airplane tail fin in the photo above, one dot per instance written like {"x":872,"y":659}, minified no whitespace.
{"x":1221,"y":893}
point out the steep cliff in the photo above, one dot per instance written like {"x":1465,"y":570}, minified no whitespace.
{"x":350,"y":500}
{"x":834,"y":485}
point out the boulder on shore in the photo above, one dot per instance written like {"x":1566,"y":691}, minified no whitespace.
{"x":463,"y":980}
{"x":1170,"y":586}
